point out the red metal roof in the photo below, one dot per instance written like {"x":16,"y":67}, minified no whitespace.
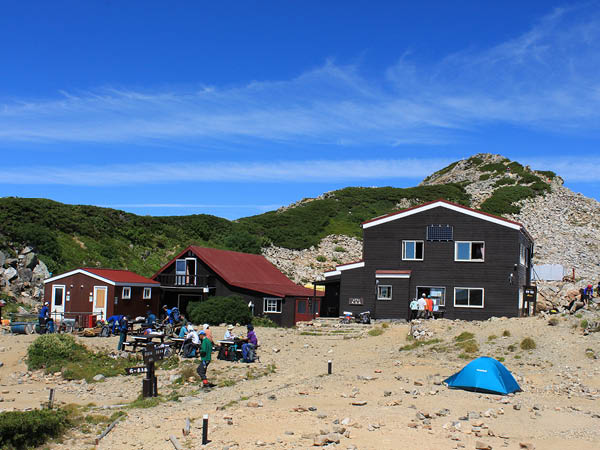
{"x":247,"y":271}
{"x":120,"y":276}
{"x":447,"y":202}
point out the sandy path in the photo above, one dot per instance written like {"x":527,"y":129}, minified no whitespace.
{"x":558,"y":379}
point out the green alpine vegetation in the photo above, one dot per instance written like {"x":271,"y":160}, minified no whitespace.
{"x":68,"y":236}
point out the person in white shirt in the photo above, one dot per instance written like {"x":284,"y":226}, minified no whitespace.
{"x":422,"y":304}
{"x":229,"y":336}
{"x":192,"y":335}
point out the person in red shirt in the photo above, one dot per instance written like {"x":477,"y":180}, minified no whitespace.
{"x":429,"y":302}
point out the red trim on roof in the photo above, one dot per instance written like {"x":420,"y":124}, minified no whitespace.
{"x":447,"y":202}
{"x":390,"y":272}
{"x":119,"y":276}
{"x":347,"y":264}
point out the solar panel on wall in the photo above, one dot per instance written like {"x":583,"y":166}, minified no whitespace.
{"x":439,"y":233}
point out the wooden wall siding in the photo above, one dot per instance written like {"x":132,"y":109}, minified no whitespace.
{"x":136,"y":305}
{"x":397,"y":307}
{"x":383,"y":250}
{"x":79,"y":296}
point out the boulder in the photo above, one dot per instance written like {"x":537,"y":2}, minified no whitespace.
{"x":25,"y":274}
{"x":10,"y":274}
{"x":29,"y":260}
{"x":40,"y":272}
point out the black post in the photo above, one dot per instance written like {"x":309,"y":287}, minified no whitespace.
{"x":329,"y":367}
{"x":150,"y":383}
{"x":205,"y":429}
{"x":51,"y":399}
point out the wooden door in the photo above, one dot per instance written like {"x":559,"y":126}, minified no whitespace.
{"x":100,"y":301}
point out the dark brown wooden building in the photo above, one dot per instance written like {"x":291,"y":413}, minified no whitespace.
{"x":102,"y":293}
{"x":472,"y":264}
{"x":200,"y":272}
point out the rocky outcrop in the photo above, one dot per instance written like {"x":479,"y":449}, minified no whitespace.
{"x":303,"y":266}
{"x":23,"y":277}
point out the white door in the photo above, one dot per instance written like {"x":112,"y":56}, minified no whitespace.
{"x":100,"y":301}
{"x":57,"y":306}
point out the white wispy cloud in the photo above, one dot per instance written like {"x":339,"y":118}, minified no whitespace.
{"x":281,"y":171}
{"x":545,"y":78}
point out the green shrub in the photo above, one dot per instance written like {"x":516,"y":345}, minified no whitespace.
{"x":26,"y":429}
{"x":493,"y":167}
{"x":528,"y":344}
{"x":547,"y":173}
{"x":53,"y":351}
{"x":218,"y":310}
{"x":491,"y":337}
{"x":501,"y":201}
{"x":469,"y":346}
{"x":511,"y":347}
{"x":264,"y":322}
{"x":61,"y":353}
{"x":485,"y":176}
{"x":464,"y":336}
{"x":321,"y":258}
{"x":376,"y":332}
{"x":584,"y":324}
{"x":506,"y":333}
{"x":339,"y":248}
{"x":474,"y":161}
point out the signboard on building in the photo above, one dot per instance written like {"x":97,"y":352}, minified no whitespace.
{"x":356,"y":301}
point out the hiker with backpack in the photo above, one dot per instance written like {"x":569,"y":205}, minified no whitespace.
{"x":248,"y":349}
{"x":191,"y":343}
{"x":123,"y":328}
{"x":205,"y":355}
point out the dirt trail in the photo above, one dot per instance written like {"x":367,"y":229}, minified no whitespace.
{"x":558,"y":409}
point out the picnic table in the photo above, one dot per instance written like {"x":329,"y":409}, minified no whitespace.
{"x":142,"y":340}
{"x":176,"y":342}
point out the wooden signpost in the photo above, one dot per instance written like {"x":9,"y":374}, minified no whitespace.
{"x":152,"y":353}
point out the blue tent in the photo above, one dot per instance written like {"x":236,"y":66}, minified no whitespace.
{"x":484,"y":374}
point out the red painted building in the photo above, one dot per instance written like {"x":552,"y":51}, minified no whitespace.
{"x":101,"y":293}
{"x":200,"y":272}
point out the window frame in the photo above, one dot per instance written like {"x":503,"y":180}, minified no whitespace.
{"x":267,"y":305}
{"x":125,"y":296}
{"x":522,"y":254}
{"x":415,"y":241}
{"x":149,"y":296}
{"x":469,"y":289}
{"x":456,"y":243}
{"x":430,"y":288}
{"x":379,"y":287}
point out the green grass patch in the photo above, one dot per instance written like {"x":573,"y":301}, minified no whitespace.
{"x":26,"y":429}
{"x":492,"y":337}
{"x":485,"y":176}
{"x":464,"y":336}
{"x":417,"y":344}
{"x":505,"y":181}
{"x":469,"y":346}
{"x":511,"y":347}
{"x":264,"y":322}
{"x":506,"y":333}
{"x":528,"y":344}
{"x":321,"y":258}
{"x":145,"y":402}
{"x":584,"y":324}
{"x":376,"y":332}
{"x":62,"y":353}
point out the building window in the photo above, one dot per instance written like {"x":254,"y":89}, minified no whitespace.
{"x":126,"y":293}
{"x":468,"y":297}
{"x":437,"y":294}
{"x":147,"y":293}
{"x":384,"y":292}
{"x":412,"y":250}
{"x":272,"y":305}
{"x":522,"y":254}
{"x":469,"y":251}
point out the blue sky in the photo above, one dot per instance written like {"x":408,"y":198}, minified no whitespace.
{"x":235,"y":108}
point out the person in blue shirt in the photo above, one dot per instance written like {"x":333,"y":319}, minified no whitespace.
{"x":44,"y":314}
{"x":113,"y":322}
{"x":168,"y":315}
{"x":123,"y":326}
{"x":150,"y":318}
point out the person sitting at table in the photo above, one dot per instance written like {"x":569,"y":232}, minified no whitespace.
{"x":229,"y":336}
{"x":208,"y":332}
{"x":44,"y":316}
{"x":150,"y":318}
{"x":191,"y":343}
{"x":184,"y":330}
{"x":250,"y":345}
